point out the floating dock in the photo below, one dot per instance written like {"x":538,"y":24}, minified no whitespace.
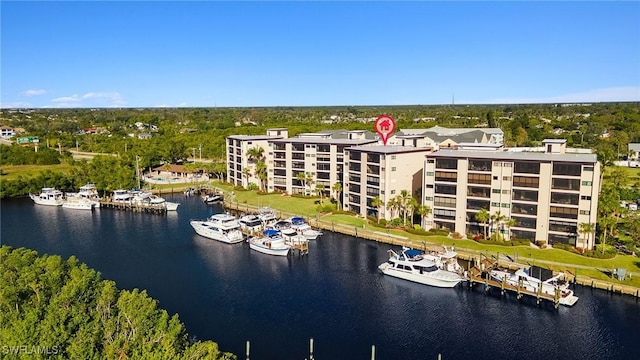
{"x":147,"y":208}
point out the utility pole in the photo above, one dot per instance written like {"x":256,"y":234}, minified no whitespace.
{"x":138,"y":169}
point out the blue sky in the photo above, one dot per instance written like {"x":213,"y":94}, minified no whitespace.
{"x":209,"y":53}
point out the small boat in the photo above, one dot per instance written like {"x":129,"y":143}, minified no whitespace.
{"x":304,"y":229}
{"x":48,"y":196}
{"x":413,"y":266}
{"x":251,"y":224}
{"x":221,"y":227}
{"x":552,"y":286}
{"x":211,"y":198}
{"x":160,"y":201}
{"x":271,"y":243}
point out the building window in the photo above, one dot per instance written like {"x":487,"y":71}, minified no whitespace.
{"x":477,"y":191}
{"x":588,"y":168}
{"x":495,"y":204}
{"x":524,"y":209}
{"x":565,"y":184}
{"x":428,"y":198}
{"x":393,"y":192}
{"x":585,"y":212}
{"x":447,"y":164}
{"x":567,"y":169}
{"x":429,"y":186}
{"x":393,"y":157}
{"x":561,"y":212}
{"x":480,"y":165}
{"x":506,"y":205}
{"x":473,"y":204}
{"x":483,"y":179}
{"x":585,"y":197}
{"x":526,"y":167}
{"x":506,"y":178}
{"x":587,"y":183}
{"x":430,"y":173}
{"x":445,"y":189}
{"x":495,"y":191}
{"x":522,"y":181}
{"x":393,"y":168}
{"x":506,"y":192}
{"x":564,"y":198}
{"x":446,"y":176}
{"x":445,"y":202}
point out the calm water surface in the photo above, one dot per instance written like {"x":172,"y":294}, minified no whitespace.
{"x":230,"y":294}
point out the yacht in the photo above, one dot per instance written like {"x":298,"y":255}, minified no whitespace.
{"x":292,"y":238}
{"x":212,"y":198}
{"x":123,"y":196}
{"x":221,"y":227}
{"x":90,"y":192}
{"x":304,"y":229}
{"x":251,"y":224}
{"x":553,"y":286}
{"x":413,"y":266}
{"x":268,"y":216}
{"x":48,"y":196}
{"x":75,"y":201}
{"x":147,"y":198}
{"x":271,"y":242}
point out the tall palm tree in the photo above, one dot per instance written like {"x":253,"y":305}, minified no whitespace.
{"x":319,"y":191}
{"x":377,"y":203}
{"x":393,"y":205}
{"x":261,"y":173}
{"x":423,"y":211}
{"x":302,"y":178}
{"x":510,"y":222}
{"x":497,"y":220}
{"x":586,"y":229}
{"x":404,"y":199}
{"x":255,"y":153}
{"x":411,"y":208}
{"x":337,"y":187}
{"x":483,"y":217}
{"x":246,"y":173}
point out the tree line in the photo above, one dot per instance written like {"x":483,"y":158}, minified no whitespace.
{"x":61,"y":307}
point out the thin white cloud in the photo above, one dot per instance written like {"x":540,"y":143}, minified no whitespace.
{"x":613,"y":94}
{"x":90,"y":99}
{"x":33,"y":92}
{"x":182,"y":104}
{"x":16,"y":105}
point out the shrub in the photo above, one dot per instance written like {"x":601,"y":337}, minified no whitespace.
{"x":396,"y":222}
{"x":599,"y":255}
{"x":383,"y":222}
{"x":252,"y":186}
{"x":417,"y":231}
{"x":327,"y":208}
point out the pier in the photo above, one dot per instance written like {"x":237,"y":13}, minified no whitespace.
{"x":146,"y":208}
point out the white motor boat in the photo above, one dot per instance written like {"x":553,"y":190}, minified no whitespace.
{"x":271,"y":243}
{"x":221,"y":227}
{"x":75,"y":201}
{"x":160,"y":201}
{"x":413,"y":266}
{"x":268,"y":216}
{"x":251,"y":224}
{"x":304,"y":229}
{"x":553,"y":286}
{"x":48,"y":196}
{"x":292,"y":238}
{"x":211,"y":198}
{"x":123,"y":196}
{"x":90,"y":192}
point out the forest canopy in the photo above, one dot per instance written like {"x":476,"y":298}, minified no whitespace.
{"x":51,"y":306}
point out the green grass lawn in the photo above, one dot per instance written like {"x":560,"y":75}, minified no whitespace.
{"x":12,"y":172}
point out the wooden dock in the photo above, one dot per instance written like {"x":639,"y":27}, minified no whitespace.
{"x":147,"y":208}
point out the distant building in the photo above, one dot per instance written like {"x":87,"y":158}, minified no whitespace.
{"x":634,"y":151}
{"x":6,"y":131}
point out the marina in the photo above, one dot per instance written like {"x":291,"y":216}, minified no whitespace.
{"x":232,"y":294}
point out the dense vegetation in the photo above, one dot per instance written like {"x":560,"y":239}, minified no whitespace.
{"x":177,"y":134}
{"x":60,"y":307}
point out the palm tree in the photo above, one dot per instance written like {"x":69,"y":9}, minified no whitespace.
{"x":411,"y":208}
{"x":337,"y":187}
{"x":261,"y":173}
{"x":497,"y":220}
{"x":423,"y":211}
{"x":255,"y":153}
{"x":319,"y":191}
{"x":377,"y":203}
{"x":404,"y":200}
{"x":586,"y":229}
{"x":510,"y":222}
{"x":308,"y":180}
{"x":246,"y":173}
{"x":393,"y":205}
{"x":302,"y":178}
{"x":483,"y":217}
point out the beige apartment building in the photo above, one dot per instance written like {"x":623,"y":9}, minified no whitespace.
{"x":311,"y":161}
{"x":238,"y":160}
{"x":548,"y":193}
{"x":380,"y":171}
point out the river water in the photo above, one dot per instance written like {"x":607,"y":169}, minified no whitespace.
{"x":335,"y":295}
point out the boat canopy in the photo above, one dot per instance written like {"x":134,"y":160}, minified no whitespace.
{"x":270,"y":232}
{"x":412,"y":253}
{"x":297,"y":220}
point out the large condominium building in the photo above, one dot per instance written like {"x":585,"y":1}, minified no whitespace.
{"x":240,"y":167}
{"x":311,"y":161}
{"x":441,"y":137}
{"x":380,"y":171}
{"x":548,"y":194}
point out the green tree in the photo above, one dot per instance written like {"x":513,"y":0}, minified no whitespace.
{"x":337,"y":187}
{"x":483,"y":217}
{"x":377,"y":203}
{"x":423,"y":211}
{"x":587,"y":230}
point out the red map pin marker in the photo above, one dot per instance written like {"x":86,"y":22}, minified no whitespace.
{"x":385,"y":126}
